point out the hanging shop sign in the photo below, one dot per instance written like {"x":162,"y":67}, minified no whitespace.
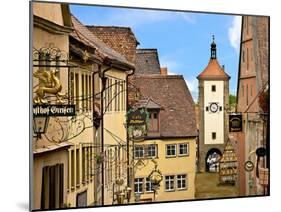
{"x":136,"y":117}
{"x":235,"y":123}
{"x":54,"y":110}
{"x":137,"y":124}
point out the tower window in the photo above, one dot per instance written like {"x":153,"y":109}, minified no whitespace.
{"x":214,"y":135}
{"x":207,"y":108}
{"x":213,"y":88}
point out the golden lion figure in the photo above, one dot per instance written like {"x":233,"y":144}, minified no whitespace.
{"x":48,"y":84}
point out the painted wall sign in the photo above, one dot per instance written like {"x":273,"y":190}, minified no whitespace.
{"x":54,"y":110}
{"x":235,"y":123}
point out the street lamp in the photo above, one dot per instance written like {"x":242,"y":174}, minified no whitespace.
{"x":40,"y":124}
{"x":155,"y":177}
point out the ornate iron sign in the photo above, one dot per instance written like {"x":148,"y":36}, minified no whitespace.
{"x":235,"y":123}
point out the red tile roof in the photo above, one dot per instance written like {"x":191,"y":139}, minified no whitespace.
{"x":121,"y":39}
{"x":177,"y":114}
{"x":85,"y":36}
{"x":213,"y":71}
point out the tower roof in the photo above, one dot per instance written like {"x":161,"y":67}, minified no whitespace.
{"x":213,"y":69}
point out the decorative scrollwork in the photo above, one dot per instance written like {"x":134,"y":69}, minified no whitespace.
{"x":50,"y":53}
{"x":64,"y":129}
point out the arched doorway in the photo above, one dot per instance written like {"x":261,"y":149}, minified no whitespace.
{"x":212,"y":160}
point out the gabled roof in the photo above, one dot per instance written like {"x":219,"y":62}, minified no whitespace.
{"x":148,"y":103}
{"x":147,"y":62}
{"x":82,"y":34}
{"x":177,"y":114}
{"x":213,"y":71}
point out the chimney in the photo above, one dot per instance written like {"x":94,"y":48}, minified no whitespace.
{"x":164,"y":71}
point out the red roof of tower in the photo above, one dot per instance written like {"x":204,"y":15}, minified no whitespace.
{"x":213,"y":71}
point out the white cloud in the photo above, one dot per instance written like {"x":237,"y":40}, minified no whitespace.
{"x":188,"y":17}
{"x":234,"y":33}
{"x":134,"y":18}
{"x":192,"y":85}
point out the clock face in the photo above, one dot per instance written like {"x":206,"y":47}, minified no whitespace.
{"x":214,"y":107}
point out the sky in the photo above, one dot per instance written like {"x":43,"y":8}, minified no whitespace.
{"x":182,"y":38}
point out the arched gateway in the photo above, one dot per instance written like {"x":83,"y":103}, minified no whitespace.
{"x":212,"y":160}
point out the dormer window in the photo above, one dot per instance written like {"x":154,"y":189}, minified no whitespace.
{"x":153,"y":121}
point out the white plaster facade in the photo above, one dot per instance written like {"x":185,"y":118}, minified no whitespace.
{"x":214,"y":122}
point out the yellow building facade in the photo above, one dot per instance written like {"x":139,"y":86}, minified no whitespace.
{"x":50,"y":160}
{"x":170,"y":143}
{"x":107,"y":76}
{"x":76,"y":161}
{"x":178,"y":170}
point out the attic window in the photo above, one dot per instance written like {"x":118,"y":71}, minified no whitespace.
{"x":213,"y":88}
{"x":153,"y":121}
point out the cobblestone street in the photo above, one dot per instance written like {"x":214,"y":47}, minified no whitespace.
{"x":206,"y":185}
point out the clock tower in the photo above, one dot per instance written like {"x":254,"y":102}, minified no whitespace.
{"x":213,"y":118}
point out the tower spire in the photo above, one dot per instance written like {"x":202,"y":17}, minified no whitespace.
{"x":213,"y":49}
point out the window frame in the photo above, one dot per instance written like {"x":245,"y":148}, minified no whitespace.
{"x":170,"y":156}
{"x":139,"y":185}
{"x":148,"y":184}
{"x":143,"y":151}
{"x":181,"y":179}
{"x":148,"y":150}
{"x":170,"y":182}
{"x":187,"y":149}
